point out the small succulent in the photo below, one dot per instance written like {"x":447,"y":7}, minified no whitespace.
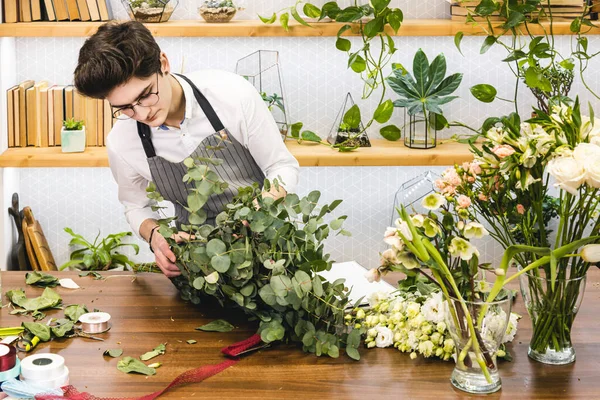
{"x":218,"y":3}
{"x":72,"y":124}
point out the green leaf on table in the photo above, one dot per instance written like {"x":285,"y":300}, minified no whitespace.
{"x":296,"y":129}
{"x":49,"y":298}
{"x":94,"y":274}
{"x":191,"y":341}
{"x":40,"y":279}
{"x":40,"y":330}
{"x":158,"y":350}
{"x":219,"y":325}
{"x":114,"y":353}
{"x":353,"y":353}
{"x":310,"y":137}
{"x":74,"y":311}
{"x":62,"y":327}
{"x":130,"y":364}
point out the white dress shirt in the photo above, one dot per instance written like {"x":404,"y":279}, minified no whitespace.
{"x":242,"y":111}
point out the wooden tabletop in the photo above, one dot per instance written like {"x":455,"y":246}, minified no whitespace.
{"x":146,"y":311}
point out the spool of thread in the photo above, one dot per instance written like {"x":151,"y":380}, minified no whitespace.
{"x":46,"y":371}
{"x":8,"y":357}
{"x":95,"y":322}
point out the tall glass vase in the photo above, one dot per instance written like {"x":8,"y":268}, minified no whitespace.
{"x":552,"y":313}
{"x":477,"y":328}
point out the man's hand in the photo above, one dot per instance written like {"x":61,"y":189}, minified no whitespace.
{"x":164,"y":256}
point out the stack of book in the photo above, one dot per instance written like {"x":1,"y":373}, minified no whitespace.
{"x":36,"y":112}
{"x":56,"y":10}
{"x":559,"y":9}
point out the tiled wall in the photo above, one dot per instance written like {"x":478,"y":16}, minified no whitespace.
{"x":316,"y":81}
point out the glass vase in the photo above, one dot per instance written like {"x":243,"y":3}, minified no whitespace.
{"x":552,"y":313}
{"x":150,"y":11}
{"x":422,"y":130}
{"x":477,"y":328}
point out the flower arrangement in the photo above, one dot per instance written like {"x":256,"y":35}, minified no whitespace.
{"x":414,"y":322}
{"x":510,"y":186}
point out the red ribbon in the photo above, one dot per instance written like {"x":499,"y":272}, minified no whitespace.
{"x":191,"y":376}
{"x":8,"y":360}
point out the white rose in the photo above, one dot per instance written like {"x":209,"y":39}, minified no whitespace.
{"x":391,"y":237}
{"x":587,"y":129}
{"x":385,"y":336}
{"x":404,"y":229}
{"x":591,"y":253}
{"x":592,"y":169}
{"x":372,"y":275}
{"x":588,"y":155}
{"x":569,"y":173}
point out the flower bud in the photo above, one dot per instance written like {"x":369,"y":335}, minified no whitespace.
{"x":499,"y":272}
{"x":591,"y":253}
{"x":500,"y":353}
{"x":413,"y":355}
{"x":348,"y":317}
{"x":357,"y":326}
{"x":360,"y":314}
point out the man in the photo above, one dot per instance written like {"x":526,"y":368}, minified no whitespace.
{"x":163,"y":118}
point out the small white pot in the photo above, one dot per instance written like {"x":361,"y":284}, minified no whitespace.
{"x":72,"y":141}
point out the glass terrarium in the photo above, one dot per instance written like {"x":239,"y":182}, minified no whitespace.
{"x":216,"y":11}
{"x":263,"y":69}
{"x":412,"y":192}
{"x":150,"y":11}
{"x":347,"y":128}
{"x":422,"y":129}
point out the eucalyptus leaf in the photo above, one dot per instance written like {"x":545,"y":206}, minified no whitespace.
{"x":130,"y":364}
{"x":40,"y":330}
{"x":114,"y":353}
{"x":48,"y":299}
{"x":191,"y":341}
{"x":40,"y":279}
{"x":74,"y":311}
{"x":219,"y":325}
{"x":62,"y":327}
{"x":158,"y":350}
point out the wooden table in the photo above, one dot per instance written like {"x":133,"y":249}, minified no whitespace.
{"x":146,"y":311}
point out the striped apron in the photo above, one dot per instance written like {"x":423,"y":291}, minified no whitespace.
{"x":238,"y":168}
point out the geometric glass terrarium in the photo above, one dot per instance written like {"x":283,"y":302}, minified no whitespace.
{"x":150,"y":11}
{"x":263,"y":70}
{"x":348,"y":126}
{"x":412,"y":192}
{"x":422,"y":129}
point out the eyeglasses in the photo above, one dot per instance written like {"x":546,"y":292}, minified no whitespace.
{"x":147,"y":100}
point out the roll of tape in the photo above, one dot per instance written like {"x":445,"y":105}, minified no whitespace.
{"x":11,"y":373}
{"x":8,"y":357}
{"x":39,"y":367}
{"x":51,"y":383}
{"x":95,"y":322}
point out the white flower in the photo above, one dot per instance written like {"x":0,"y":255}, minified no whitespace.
{"x":496,"y":135}
{"x":385,"y":336}
{"x":569,"y":173}
{"x":591,"y":253}
{"x":426,"y":348}
{"x":494,"y":326}
{"x":389,"y":257}
{"x":412,"y":340}
{"x":529,"y":180}
{"x":511,"y":328}
{"x":431,"y":228}
{"x":459,"y":247}
{"x":433,"y":201}
{"x":589,"y":131}
{"x":417,"y":220}
{"x":408,"y":261}
{"x":392,"y":238}
{"x":212,"y":278}
{"x":404,"y":229}
{"x":528,"y":159}
{"x":475,"y":230}
{"x":377,"y":297}
{"x":588,"y":155}
{"x":433,"y":309}
{"x":372,"y":275}
{"x":413,"y":309}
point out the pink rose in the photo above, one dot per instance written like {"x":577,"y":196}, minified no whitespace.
{"x":451,"y":177}
{"x":463,"y":201}
{"x":520,"y":209}
{"x":503,"y":151}
{"x":482,"y":197}
{"x":475,"y":168}
{"x":440,"y":184}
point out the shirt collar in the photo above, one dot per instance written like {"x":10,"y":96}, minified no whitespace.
{"x":190,"y":100}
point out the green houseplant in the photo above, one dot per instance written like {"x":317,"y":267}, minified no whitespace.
{"x":150,"y":11}
{"x":421,"y":95}
{"x":72,"y":136}
{"x":217,"y":11}
{"x":99,"y":255}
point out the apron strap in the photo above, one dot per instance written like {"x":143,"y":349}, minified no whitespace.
{"x":145,"y":135}
{"x":205,"y":105}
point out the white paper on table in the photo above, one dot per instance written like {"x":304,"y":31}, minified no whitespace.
{"x":68,"y":283}
{"x":354,"y":274}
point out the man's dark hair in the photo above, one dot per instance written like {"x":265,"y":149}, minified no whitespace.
{"x":116,"y":53}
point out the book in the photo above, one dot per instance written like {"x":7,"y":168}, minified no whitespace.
{"x":72,"y":10}
{"x":60,"y":8}
{"x":36,"y":10}
{"x":99,"y":122}
{"x":11,"y":11}
{"x":49,"y":7}
{"x":50,"y":101}
{"x":10,"y":114}
{"x":93,"y":9}
{"x":23,"y":87}
{"x":31,"y":116}
{"x":43,"y":116}
{"x":17,"y":113}
{"x":68,"y":102}
{"x":39,"y":114}
{"x":58,"y":94}
{"x":25,"y":10}
{"x":359,"y":286}
{"x":84,"y":12}
{"x":108,"y":121}
{"x":104,"y":10}
{"x":91,"y":115}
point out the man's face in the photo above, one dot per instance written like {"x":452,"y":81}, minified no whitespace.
{"x":139,"y":91}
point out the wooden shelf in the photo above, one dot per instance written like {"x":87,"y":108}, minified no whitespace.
{"x":250,"y":28}
{"x":383,"y":153}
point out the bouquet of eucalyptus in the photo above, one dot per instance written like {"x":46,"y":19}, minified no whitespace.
{"x":263,"y":256}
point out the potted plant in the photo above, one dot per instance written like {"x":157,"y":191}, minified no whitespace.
{"x":217,"y":11}
{"x":72,"y":136}
{"x":150,"y":10}
{"x":422,"y":95}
